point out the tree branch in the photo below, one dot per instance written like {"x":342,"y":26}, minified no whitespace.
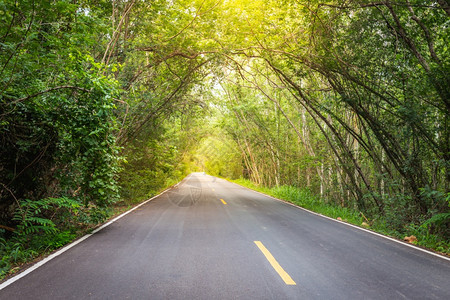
{"x":50,"y":90}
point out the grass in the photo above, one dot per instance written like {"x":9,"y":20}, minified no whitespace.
{"x":304,"y":198}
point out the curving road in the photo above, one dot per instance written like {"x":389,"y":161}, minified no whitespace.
{"x":211,"y":239}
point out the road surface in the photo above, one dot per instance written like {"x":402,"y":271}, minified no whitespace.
{"x":211,"y":239}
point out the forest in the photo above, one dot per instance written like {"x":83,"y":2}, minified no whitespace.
{"x":344,"y":103}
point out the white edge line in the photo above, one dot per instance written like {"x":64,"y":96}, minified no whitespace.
{"x":348,"y":224}
{"x":67,"y":247}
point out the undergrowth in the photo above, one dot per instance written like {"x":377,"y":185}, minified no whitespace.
{"x":42,"y":226}
{"x":304,"y":198}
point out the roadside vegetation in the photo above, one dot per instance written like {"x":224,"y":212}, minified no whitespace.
{"x":104,"y":103}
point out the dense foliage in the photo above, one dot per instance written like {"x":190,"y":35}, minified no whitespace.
{"x":106,"y":102}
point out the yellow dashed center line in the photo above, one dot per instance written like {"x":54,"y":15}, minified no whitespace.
{"x":223,"y":201}
{"x":285,"y":276}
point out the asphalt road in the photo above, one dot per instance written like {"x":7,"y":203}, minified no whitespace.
{"x":210,"y":239}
